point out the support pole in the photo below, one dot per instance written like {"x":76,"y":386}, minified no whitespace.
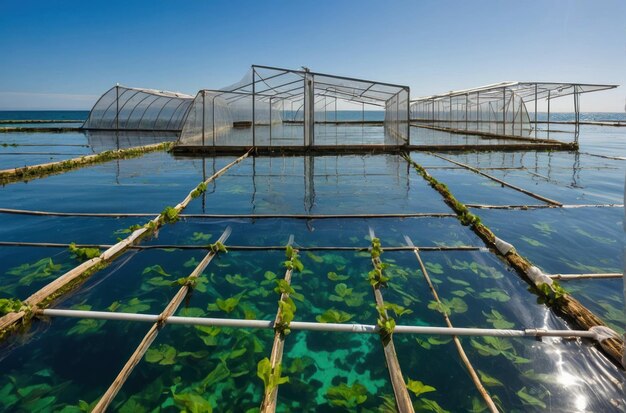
{"x":253,"y":106}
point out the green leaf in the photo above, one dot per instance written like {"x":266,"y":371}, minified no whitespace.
{"x":529,"y":400}
{"x":397,"y":309}
{"x":453,"y":306}
{"x":418,"y":388}
{"x":86,"y":326}
{"x":155,"y":269}
{"x":495,"y":294}
{"x":271,"y":377}
{"x":458,"y":281}
{"x":489,"y":380}
{"x":333,"y":276}
{"x":192,"y":402}
{"x":200,"y":237}
{"x":240,"y":281}
{"x":334,"y":316}
{"x":83,"y":254}
{"x":433,"y":268}
{"x":498,"y":320}
{"x":314,"y":257}
{"x":229,"y":304}
{"x":347,"y":396}
{"x":12,"y":305}
{"x":532,"y":242}
{"x":163,"y":354}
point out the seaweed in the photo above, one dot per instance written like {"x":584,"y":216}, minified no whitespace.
{"x":199,"y":190}
{"x":418,"y":388}
{"x":271,"y":377}
{"x":385,"y":324}
{"x":346,"y":396}
{"x":333,"y":315}
{"x":170,"y":215}
{"x":12,"y":305}
{"x":83,"y":254}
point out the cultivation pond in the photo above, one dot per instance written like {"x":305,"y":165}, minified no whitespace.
{"x":62,"y":364}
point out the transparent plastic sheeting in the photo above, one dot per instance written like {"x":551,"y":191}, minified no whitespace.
{"x":273,"y":107}
{"x":124,"y":108}
{"x":500,"y":109}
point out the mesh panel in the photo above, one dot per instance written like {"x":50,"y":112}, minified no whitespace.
{"x":280,"y":107}
{"x":122,"y":108}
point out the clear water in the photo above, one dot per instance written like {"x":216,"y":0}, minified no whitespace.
{"x":59,"y":362}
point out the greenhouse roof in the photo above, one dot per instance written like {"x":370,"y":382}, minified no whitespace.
{"x":286,"y":84}
{"x":528,"y":91}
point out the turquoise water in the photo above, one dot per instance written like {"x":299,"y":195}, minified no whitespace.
{"x":59,"y":362}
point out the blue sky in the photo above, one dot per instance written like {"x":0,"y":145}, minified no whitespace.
{"x":64,"y":54}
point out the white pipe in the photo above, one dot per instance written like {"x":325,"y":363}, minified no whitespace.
{"x":310,"y":326}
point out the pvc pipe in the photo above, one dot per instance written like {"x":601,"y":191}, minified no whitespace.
{"x":312,"y":326}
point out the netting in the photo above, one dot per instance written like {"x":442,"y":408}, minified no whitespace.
{"x":123,"y":108}
{"x":280,"y":107}
{"x":502,"y":109}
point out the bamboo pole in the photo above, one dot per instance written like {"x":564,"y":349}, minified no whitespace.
{"x":66,"y":281}
{"x":268,"y":405}
{"x":44,"y":169}
{"x":586,"y":276}
{"x":468,"y":365}
{"x":169,"y":310}
{"x":400,"y":392}
{"x":238,"y":247}
{"x":524,"y":207}
{"x":500,"y":181}
{"x":566,"y":305}
{"x":226,"y":216}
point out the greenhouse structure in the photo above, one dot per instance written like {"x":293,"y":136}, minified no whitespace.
{"x":136,"y":109}
{"x":295,"y":108}
{"x":499,"y":110}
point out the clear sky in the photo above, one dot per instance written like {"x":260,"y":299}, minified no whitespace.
{"x":64,"y":54}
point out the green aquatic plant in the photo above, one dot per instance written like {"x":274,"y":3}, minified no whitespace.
{"x":333,"y":276}
{"x":292,"y":262}
{"x":544,"y":228}
{"x":532,"y":241}
{"x":128,"y":230}
{"x":530,"y":400}
{"x":227,"y":305}
{"x":170,"y":215}
{"x":433,"y":267}
{"x":271,"y":377}
{"x":376,"y":277}
{"x":346,"y":396}
{"x":433,"y":341}
{"x":239,"y":281}
{"x":496,"y":294}
{"x":418,"y":388}
{"x":83,"y":254}
{"x":134,"y":305}
{"x":602,"y":240}
{"x":217,"y":247}
{"x":449,"y":306}
{"x":192,"y":402}
{"x":498,"y":320}
{"x":200,"y":237}
{"x":315,"y":258}
{"x":333,"y":315}
{"x":41,"y":269}
{"x":163,"y":354}
{"x":287,"y":312}
{"x":483,"y":271}
{"x":385,"y":324}
{"x":343,"y":294}
{"x":12,"y":305}
{"x":398,"y":310}
{"x":199,"y":190}
{"x":488,"y":380}
{"x":494,"y":346}
{"x":195,"y":283}
{"x":551,"y":294}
